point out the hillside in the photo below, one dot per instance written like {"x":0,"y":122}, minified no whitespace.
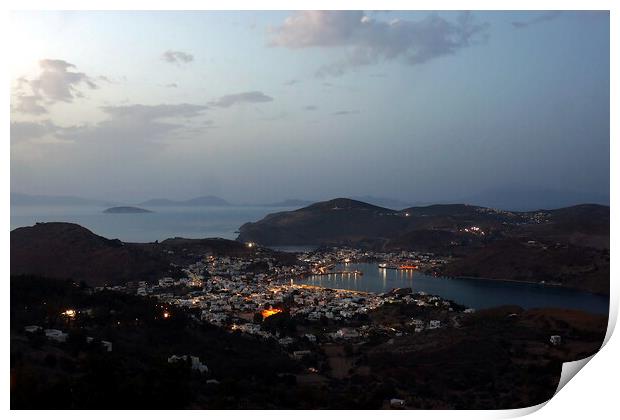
{"x":582,"y":268}
{"x":67,"y":250}
{"x":342,"y":220}
{"x":567,"y":246}
{"x":335,"y":221}
{"x":346,"y":221}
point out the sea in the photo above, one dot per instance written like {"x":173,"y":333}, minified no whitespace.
{"x":165,"y":222}
{"x":473,"y":293}
{"x":224,"y":222}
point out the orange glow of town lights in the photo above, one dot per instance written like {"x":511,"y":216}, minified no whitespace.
{"x":266,"y":313}
{"x":70,"y":313}
{"x":166,"y":315}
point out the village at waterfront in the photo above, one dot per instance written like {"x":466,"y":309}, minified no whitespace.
{"x":260,"y":297}
{"x":257,"y":295}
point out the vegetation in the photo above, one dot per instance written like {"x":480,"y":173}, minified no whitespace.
{"x":498,"y":358}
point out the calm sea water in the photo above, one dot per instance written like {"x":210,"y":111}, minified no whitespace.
{"x":165,"y":222}
{"x":474,"y":293}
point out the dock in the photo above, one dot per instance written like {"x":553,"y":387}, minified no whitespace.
{"x":342,"y":273}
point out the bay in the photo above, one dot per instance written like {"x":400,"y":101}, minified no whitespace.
{"x":474,"y":293}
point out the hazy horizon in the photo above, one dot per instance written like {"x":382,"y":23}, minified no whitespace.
{"x":259,"y":107}
{"x":509,"y":199}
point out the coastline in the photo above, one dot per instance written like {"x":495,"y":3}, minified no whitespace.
{"x":546,"y":284}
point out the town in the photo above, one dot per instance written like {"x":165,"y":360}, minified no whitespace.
{"x":253,"y":295}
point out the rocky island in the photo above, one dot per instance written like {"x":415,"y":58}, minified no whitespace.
{"x":126,"y":210}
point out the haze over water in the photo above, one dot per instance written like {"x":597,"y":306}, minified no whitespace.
{"x":163,"y":223}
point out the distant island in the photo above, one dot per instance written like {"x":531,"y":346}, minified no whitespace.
{"x":126,"y":210}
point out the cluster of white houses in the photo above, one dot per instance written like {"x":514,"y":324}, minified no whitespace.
{"x":61,"y":336}
{"x":230,"y":297}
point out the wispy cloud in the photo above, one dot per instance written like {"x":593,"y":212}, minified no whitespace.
{"x":124,"y":125}
{"x":177,"y":57}
{"x":368,"y":41}
{"x":227,"y":101}
{"x":311,"y":108}
{"x":31,"y":130}
{"x":28,"y":104}
{"x":57,"y":82}
{"x":345,"y":112}
{"x":544,"y":17}
{"x":292,"y":82}
{"x":154,"y":112}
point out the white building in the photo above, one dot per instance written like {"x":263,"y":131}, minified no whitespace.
{"x":434,"y":324}
{"x":346,"y":333}
{"x":32,"y":328}
{"x":397,"y":403}
{"x":56,"y":335}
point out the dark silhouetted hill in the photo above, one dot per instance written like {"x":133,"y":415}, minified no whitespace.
{"x":567,"y":246}
{"x":67,"y":250}
{"x":335,"y":221}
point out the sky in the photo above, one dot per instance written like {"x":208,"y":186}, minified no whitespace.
{"x":265,"y":106}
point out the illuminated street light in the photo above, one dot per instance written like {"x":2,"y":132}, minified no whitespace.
{"x":69,"y":313}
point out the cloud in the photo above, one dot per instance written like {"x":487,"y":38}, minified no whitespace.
{"x":144,"y":124}
{"x":29,"y":104}
{"x":368,"y":41}
{"x":56,"y":83}
{"x":171,"y":85}
{"x":343,"y":113}
{"x":311,"y":108}
{"x":124,"y":125}
{"x":177,"y":57}
{"x":544,"y":17}
{"x":154,"y":112}
{"x":244,"y":97}
{"x":131,"y":143}
{"x":292,"y":82}
{"x":31,"y":130}
{"x":276,"y":117}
